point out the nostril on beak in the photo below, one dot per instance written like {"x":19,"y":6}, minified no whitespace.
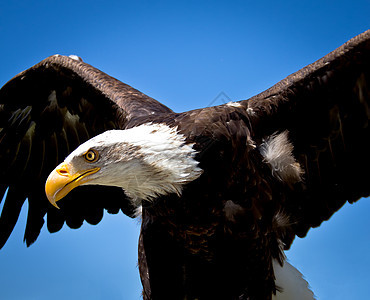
{"x":62,"y":172}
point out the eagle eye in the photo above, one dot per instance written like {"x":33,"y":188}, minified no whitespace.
{"x":91,"y":156}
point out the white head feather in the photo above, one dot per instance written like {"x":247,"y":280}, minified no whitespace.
{"x":146,"y":161}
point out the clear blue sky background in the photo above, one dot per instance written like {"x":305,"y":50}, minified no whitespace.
{"x":183,"y":54}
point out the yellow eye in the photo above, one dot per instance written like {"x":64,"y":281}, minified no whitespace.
{"x":91,"y":156}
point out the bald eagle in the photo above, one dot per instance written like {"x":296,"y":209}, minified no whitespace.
{"x":221,"y":191}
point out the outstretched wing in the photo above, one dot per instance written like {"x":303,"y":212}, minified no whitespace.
{"x":45,"y":113}
{"x":325,"y":108}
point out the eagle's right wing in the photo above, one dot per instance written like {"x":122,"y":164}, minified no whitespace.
{"x":45,"y":113}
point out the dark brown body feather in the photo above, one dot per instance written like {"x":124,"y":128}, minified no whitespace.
{"x":205,"y":253}
{"x":218,"y":239}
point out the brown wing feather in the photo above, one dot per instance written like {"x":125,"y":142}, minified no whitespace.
{"x":45,"y":113}
{"x":143,"y":269}
{"x":325,"y":107}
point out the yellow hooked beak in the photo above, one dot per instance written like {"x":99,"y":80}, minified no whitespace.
{"x":60,"y":182}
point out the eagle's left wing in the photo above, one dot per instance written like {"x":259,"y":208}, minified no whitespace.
{"x":324,"y":112}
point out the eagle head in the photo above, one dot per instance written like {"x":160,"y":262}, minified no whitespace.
{"x":145,"y":161}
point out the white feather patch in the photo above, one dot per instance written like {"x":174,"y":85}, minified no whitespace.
{"x":291,"y":282}
{"x":250,"y":111}
{"x":75,"y":57}
{"x":277,"y":151}
{"x":234,"y":104}
{"x":138,"y":212}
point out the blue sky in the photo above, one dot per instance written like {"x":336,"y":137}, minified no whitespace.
{"x":183,"y":54}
